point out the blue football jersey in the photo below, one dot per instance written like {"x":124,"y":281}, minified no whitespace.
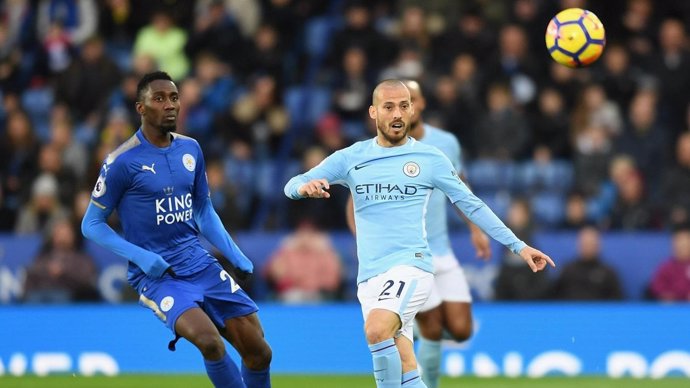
{"x":153,"y":190}
{"x":391,"y":188}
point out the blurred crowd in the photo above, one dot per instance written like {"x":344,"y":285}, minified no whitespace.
{"x":271,"y":87}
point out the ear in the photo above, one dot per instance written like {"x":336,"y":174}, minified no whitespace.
{"x":372,"y":112}
{"x":139,"y":107}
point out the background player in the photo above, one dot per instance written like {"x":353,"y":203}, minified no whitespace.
{"x":449,"y":305}
{"x":157,"y":182}
{"x":391,"y":178}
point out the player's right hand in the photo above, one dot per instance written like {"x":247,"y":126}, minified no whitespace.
{"x":536,"y":259}
{"x":315,"y":188}
{"x":171,"y":272}
{"x":153,"y":265}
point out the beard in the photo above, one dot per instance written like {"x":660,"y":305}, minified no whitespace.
{"x":395,"y":138}
{"x":168,"y":127}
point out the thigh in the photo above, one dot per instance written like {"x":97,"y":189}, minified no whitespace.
{"x":457,"y":316}
{"x":245,"y":334}
{"x":402,"y":290}
{"x":194,"y":324}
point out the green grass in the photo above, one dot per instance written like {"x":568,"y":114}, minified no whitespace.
{"x":285,"y":381}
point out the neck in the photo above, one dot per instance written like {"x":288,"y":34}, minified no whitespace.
{"x":417,"y":130}
{"x":156,"y":136}
{"x":383,"y":142}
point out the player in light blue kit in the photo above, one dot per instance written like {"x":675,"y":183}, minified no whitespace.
{"x":449,"y":307}
{"x":157,"y":182}
{"x":391,"y":178}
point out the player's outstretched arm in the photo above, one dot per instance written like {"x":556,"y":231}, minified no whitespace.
{"x":212,"y":228}
{"x":95,"y":228}
{"x":536,"y":259}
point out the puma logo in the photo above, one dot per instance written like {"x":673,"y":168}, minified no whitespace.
{"x":147,"y":168}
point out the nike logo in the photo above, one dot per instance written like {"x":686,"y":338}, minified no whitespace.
{"x":360,"y":166}
{"x":147,"y":168}
{"x":380,"y":299}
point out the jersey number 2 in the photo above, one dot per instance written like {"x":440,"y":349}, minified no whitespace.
{"x":224,"y":275}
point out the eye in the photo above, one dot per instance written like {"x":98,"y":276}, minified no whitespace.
{"x":174,"y":98}
{"x":158,"y":98}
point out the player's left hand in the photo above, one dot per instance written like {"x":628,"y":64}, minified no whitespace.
{"x":535,"y":258}
{"x":481,"y":244}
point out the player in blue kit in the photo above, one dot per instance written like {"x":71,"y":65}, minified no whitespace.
{"x":391,"y":178}
{"x":157,"y":182}
{"x":449,"y":307}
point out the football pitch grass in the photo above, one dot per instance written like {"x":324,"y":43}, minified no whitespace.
{"x":336,"y":381}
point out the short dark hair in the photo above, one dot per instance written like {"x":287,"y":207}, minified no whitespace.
{"x":147,"y":79}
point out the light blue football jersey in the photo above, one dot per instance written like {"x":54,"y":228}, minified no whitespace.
{"x":391,"y":188}
{"x":153,"y":190}
{"x":437,"y":214}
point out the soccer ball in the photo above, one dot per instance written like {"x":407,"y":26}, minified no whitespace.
{"x":575,"y":37}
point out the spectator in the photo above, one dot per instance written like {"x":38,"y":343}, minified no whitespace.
{"x":576,"y":216}
{"x":502,"y":121}
{"x":644,"y":138}
{"x":593,"y":154}
{"x":551,"y":123}
{"x":78,"y":18}
{"x":513,"y":66}
{"x":470,"y":34}
{"x":587,"y":277}
{"x":215,"y":32}
{"x":62,"y":272}
{"x":266,"y":54}
{"x":258,"y":118}
{"x":594,"y":109}
{"x":351,"y":88}
{"x":163,"y":40}
{"x":18,"y":162}
{"x":675,"y":192}
{"x":88,"y":82}
{"x":671,"y":281}
{"x":359,"y":31}
{"x":305,"y":267}
{"x":670,"y":68}
{"x":72,"y":153}
{"x":43,"y":210}
{"x":118,"y":26}
{"x":50,"y":163}
{"x":515,"y":282}
{"x":632,"y":210}
{"x":617,"y":76}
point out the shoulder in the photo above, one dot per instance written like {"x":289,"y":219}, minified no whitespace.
{"x":425,"y":148}
{"x":441,"y":136}
{"x":124,"y":150}
{"x":185,"y":139}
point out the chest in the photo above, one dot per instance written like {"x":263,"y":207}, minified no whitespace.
{"x":163,"y":175}
{"x":396,"y":176}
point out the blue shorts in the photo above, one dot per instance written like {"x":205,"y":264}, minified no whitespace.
{"x":212,"y":289}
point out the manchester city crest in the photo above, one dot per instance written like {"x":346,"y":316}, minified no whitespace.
{"x":411,"y":169}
